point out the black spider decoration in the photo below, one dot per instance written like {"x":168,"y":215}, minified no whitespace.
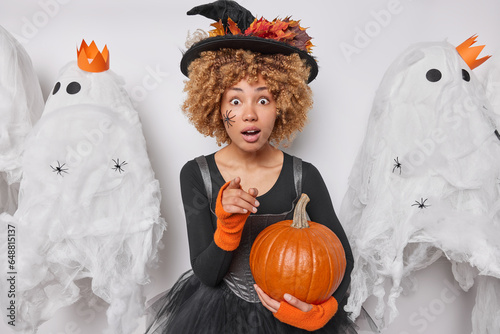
{"x":421,"y":204}
{"x":397,"y":165}
{"x":59,"y":169}
{"x":118,"y":166}
{"x":228,"y":119}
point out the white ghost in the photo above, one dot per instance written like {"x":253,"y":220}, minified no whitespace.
{"x":21,"y":104}
{"x":491,"y":79}
{"x":89,"y":204}
{"x":425,"y":182}
{"x":486,"y":312}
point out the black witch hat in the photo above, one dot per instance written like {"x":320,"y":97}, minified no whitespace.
{"x":237,"y":28}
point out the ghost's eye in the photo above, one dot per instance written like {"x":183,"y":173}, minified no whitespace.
{"x":465,"y":75}
{"x":56,"y":88}
{"x":433,"y":75}
{"x":73,"y":87}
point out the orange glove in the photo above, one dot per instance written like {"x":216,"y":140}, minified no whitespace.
{"x":229,"y":225}
{"x":310,"y":321}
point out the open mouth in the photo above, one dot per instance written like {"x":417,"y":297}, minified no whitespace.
{"x":250,"y":132}
{"x":251,"y":135}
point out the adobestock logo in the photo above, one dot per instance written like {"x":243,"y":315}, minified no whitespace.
{"x":363,"y":36}
{"x":436,"y":307}
{"x":427,"y":314}
{"x":31,"y":25}
{"x":150,"y":82}
{"x":93,"y":138}
{"x":453,"y":120}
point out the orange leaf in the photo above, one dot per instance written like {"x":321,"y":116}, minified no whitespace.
{"x":233,"y":27}
{"x":293,"y":23}
{"x":287,"y":31}
{"x":218,"y":31}
{"x":258,"y":28}
{"x":279,"y":26}
{"x":309,"y":46}
{"x":285,"y":35}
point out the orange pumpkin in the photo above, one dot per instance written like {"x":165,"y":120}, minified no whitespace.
{"x":299,"y":257}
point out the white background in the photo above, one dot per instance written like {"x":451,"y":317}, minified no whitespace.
{"x":146,"y":38}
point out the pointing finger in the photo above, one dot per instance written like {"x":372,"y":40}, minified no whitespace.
{"x":234,"y":184}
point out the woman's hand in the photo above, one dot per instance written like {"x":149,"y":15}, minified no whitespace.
{"x":232,"y":208}
{"x":236,"y":200}
{"x":297,"y":313}
{"x":273,"y":305}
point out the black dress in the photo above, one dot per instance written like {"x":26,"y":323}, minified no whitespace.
{"x":219,"y":296}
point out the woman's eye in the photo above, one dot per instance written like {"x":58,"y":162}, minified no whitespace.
{"x":235,"y":102}
{"x":263,"y":101}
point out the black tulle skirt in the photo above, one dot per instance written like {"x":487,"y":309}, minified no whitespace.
{"x":191,"y":307}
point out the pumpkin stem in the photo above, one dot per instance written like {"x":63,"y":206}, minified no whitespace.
{"x":299,"y":214}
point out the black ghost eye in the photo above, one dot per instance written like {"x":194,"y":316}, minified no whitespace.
{"x":433,"y":75}
{"x":73,"y":87}
{"x":56,"y":88}
{"x":465,"y":75}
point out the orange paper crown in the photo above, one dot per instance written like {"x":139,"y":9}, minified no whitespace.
{"x":469,"y":53}
{"x":90,"y":59}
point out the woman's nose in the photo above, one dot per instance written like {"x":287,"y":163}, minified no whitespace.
{"x":249,"y":115}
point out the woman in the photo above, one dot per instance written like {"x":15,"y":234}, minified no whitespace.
{"x":252,"y":102}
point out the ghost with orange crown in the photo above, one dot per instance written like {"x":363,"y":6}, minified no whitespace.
{"x":425,"y":182}
{"x":89,"y":204}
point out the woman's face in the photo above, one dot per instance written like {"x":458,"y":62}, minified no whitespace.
{"x":248,"y":111}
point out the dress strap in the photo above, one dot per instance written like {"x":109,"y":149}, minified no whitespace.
{"x":297,"y":175}
{"x":205,"y":174}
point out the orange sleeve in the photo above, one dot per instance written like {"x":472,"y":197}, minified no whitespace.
{"x":229,"y":225}
{"x":310,"y":321}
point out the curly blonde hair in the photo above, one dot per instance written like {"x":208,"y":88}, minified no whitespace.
{"x":215,"y":71}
